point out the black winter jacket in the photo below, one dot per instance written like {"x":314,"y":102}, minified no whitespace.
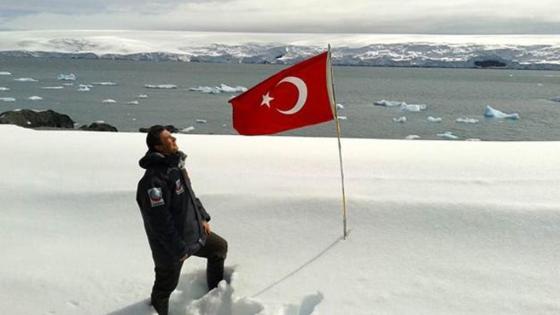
{"x":172,"y":214}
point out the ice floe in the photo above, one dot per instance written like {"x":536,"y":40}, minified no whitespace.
{"x":84,"y":88}
{"x":448,"y":135}
{"x":401,"y":119}
{"x":160,"y":86}
{"x":494,"y":113}
{"x":387,"y":103}
{"x":223,"y":88}
{"x":5,"y":73}
{"x":66,"y":77}
{"x":52,"y":87}
{"x":187,"y":130}
{"x":466,"y":120}
{"x":133,"y":102}
{"x":413,"y":107}
{"x":7,"y":99}
{"x":3,"y":88}
{"x":201,"y":121}
{"x":412,"y":137}
{"x":109,"y":101}
{"x":143,"y":96}
{"x":434,"y":119}
{"x":104,"y":83}
{"x":342,"y":117}
{"x":339,"y":106}
{"x":68,"y":84}
{"x":25,"y":80}
{"x":35,"y":98}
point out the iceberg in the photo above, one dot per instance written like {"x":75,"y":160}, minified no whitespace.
{"x":7,"y":99}
{"x":5,"y":73}
{"x":490,"y":112}
{"x":187,"y":130}
{"x":448,"y":135}
{"x":434,"y":119}
{"x":109,"y":101}
{"x":205,"y":89}
{"x":413,"y":107}
{"x":160,"y":86}
{"x":223,"y":88}
{"x":52,"y":87}
{"x":339,"y":106}
{"x":104,"y":83}
{"x":143,"y":96}
{"x":341,"y":117}
{"x":35,"y":98}
{"x":389,"y":103}
{"x":230,"y":89}
{"x":3,"y":88}
{"x":401,"y":119}
{"x":201,"y":121}
{"x":466,"y":120}
{"x":66,"y":77}
{"x":25,"y":80}
{"x":84,"y":88}
{"x":133,"y":102}
{"x":412,"y":137}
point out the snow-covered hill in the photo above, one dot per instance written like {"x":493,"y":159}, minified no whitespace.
{"x":436,"y":227}
{"x":452,"y":51}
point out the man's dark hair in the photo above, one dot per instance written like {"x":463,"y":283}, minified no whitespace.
{"x":153,"y":139}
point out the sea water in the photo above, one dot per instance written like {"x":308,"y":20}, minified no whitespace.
{"x":457,"y":96}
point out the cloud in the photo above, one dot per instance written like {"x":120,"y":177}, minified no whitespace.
{"x":381,"y":16}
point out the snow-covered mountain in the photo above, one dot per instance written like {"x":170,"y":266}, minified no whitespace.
{"x":449,"y":51}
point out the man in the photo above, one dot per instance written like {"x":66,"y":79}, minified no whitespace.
{"x":176,"y":223}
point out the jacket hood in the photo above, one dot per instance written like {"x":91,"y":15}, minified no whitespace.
{"x":154,"y":159}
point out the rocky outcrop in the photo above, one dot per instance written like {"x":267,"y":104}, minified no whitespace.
{"x":99,"y":126}
{"x":35,"y":119}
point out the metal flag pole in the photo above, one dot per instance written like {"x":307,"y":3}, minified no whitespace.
{"x":331,"y":89}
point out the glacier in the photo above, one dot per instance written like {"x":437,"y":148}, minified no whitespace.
{"x":530,"y":52}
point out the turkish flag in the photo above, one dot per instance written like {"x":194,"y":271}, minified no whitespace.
{"x":298,"y":96}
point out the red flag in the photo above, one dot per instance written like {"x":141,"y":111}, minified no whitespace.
{"x":294,"y":97}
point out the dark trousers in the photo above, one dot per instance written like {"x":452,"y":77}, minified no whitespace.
{"x":167,"y":277}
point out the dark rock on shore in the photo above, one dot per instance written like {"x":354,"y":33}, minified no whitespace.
{"x":171,"y":129}
{"x":99,"y":126}
{"x":34,"y":119}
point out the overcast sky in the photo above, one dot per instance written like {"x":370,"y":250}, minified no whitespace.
{"x":329,"y":16}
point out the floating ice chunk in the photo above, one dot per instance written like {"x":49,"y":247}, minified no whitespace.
{"x":494,"y":113}
{"x":448,"y":135}
{"x":100,"y":121}
{"x":434,"y":119}
{"x":68,"y":84}
{"x":133,"y":102}
{"x":7,"y":99}
{"x":160,"y":86}
{"x":206,"y":89}
{"x":342,"y":117}
{"x":555,"y":99}
{"x":3,"y":88}
{"x":25,"y":80}
{"x":5,"y":73}
{"x":401,"y":119}
{"x":413,"y":107}
{"x":230,"y":89}
{"x":339,"y":106}
{"x":35,"y":98}
{"x":473,"y":139}
{"x":143,"y":96}
{"x":109,"y":101}
{"x":104,"y":83}
{"x":202,"y":121}
{"x":412,"y":137}
{"x":66,"y":77}
{"x":84,"y":88}
{"x":187,"y":130}
{"x":389,"y":103}
{"x":52,"y":87}
{"x":466,"y":120}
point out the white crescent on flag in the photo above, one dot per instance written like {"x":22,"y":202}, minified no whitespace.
{"x":302,"y":94}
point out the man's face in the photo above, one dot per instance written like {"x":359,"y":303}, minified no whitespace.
{"x":168,"y":144}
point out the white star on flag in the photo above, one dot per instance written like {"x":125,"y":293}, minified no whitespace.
{"x":266,"y":99}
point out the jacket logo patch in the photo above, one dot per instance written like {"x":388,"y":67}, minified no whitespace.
{"x":179,"y":189}
{"x":156,"y":197}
